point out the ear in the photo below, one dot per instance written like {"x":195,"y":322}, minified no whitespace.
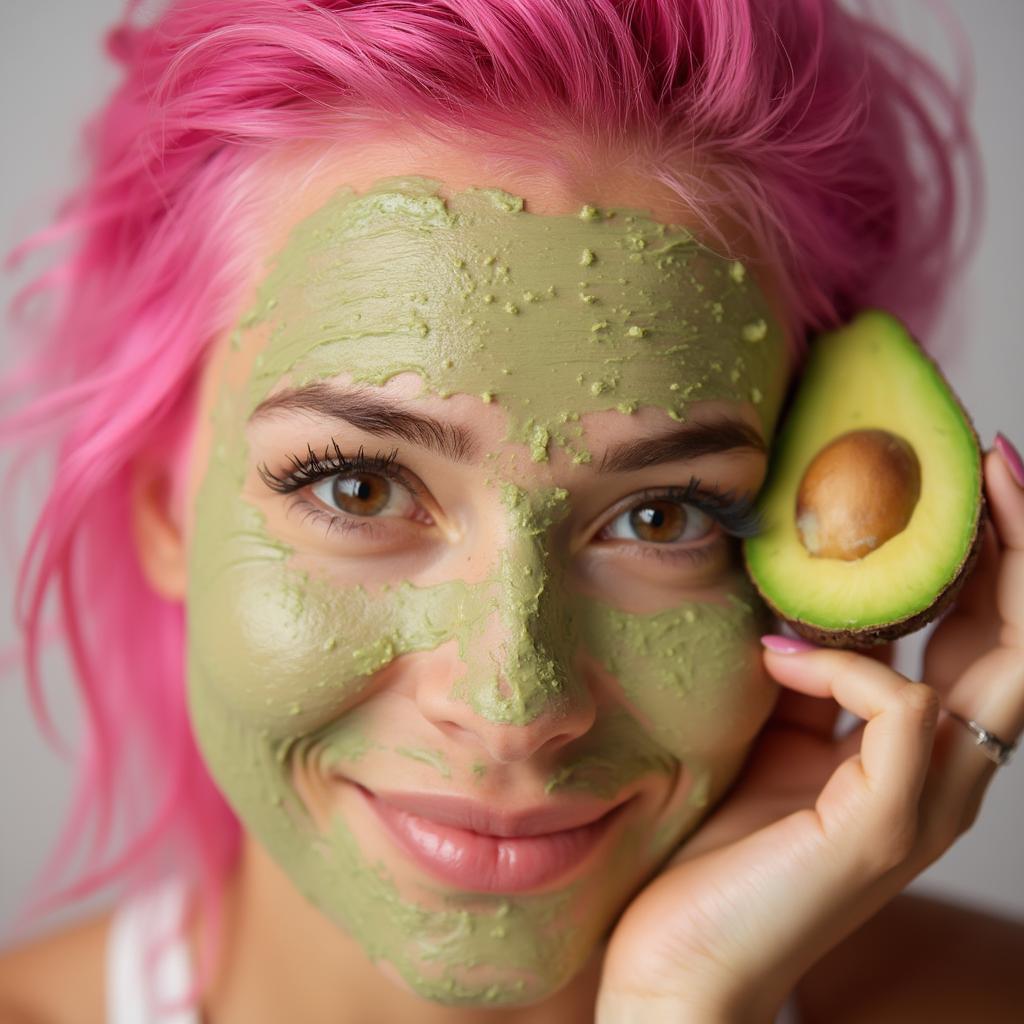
{"x":159,"y":535}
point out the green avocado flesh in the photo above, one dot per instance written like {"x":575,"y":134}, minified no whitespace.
{"x":868,"y":375}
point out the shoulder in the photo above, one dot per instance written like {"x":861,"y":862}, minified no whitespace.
{"x":58,"y":978}
{"x":920,"y":959}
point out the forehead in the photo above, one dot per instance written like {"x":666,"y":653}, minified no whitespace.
{"x":550,"y":316}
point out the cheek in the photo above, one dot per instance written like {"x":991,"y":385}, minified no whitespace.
{"x":284,"y":650}
{"x":694,"y":676}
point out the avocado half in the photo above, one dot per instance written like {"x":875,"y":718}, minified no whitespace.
{"x":873,"y":505}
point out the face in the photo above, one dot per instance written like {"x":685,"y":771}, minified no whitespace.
{"x":470,"y":647}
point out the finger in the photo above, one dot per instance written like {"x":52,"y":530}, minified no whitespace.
{"x":1006,"y":507}
{"x":1006,"y":497}
{"x":990,"y":689}
{"x":973,"y":624}
{"x":883,"y":784}
{"x":811,"y":713}
{"x":992,"y":693}
{"x":992,"y":600}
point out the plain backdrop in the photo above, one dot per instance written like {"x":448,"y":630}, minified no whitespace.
{"x":52,"y":73}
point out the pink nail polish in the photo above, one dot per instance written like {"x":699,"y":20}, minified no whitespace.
{"x":786,"y":644}
{"x":1011,"y":457}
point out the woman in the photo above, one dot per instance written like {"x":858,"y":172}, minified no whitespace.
{"x":431,"y":354}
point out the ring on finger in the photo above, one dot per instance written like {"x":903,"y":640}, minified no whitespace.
{"x":992,"y":746}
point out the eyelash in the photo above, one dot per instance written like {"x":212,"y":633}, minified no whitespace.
{"x":311,"y":468}
{"x":737,"y":516}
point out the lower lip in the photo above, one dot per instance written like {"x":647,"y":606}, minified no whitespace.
{"x":482,"y":863}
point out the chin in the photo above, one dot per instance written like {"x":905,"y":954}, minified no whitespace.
{"x":485,"y":984}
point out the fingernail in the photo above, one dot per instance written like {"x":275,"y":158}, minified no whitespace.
{"x":786,"y":644}
{"x":1012,"y":458}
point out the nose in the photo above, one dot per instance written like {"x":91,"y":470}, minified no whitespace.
{"x":519,"y":693}
{"x":504,"y":742}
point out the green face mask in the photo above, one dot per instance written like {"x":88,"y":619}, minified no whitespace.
{"x":551,"y":318}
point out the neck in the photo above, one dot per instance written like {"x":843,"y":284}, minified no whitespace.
{"x":284,"y":960}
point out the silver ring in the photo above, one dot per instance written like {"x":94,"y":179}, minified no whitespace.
{"x":991,"y":745}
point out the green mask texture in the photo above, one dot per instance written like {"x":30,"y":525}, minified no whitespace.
{"x":550,"y":317}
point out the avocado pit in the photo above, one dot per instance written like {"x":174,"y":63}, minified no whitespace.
{"x":859,"y":491}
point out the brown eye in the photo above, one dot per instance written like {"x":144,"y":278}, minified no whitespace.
{"x":660,"y":522}
{"x":364,"y":494}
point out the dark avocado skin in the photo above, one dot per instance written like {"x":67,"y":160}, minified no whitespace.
{"x":886,"y":632}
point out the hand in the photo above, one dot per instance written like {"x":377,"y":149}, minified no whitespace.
{"x":819,"y":833}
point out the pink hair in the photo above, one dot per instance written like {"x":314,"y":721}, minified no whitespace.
{"x":833,"y":144}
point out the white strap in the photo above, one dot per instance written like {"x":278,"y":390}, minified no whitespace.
{"x":135,"y":926}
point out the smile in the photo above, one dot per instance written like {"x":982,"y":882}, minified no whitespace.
{"x":473,"y":847}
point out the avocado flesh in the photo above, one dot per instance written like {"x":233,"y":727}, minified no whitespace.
{"x":871,"y":374}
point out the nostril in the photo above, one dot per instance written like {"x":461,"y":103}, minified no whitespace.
{"x":511,"y":743}
{"x":452,"y":730}
{"x":507,"y":742}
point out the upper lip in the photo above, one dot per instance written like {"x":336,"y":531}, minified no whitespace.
{"x":460,"y":812}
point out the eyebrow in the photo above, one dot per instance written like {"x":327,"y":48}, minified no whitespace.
{"x":682,"y":443}
{"x":367,"y":412}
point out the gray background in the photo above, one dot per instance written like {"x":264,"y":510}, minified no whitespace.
{"x":52,"y":74}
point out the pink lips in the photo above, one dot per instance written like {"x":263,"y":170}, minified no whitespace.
{"x":471,"y":846}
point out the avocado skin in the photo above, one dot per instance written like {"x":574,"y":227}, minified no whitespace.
{"x":889,"y":631}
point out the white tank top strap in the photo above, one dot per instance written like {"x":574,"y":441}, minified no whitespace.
{"x":136,"y":925}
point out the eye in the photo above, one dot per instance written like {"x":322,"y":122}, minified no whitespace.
{"x":364,"y":494}
{"x":661,"y":521}
{"x":359,"y":493}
